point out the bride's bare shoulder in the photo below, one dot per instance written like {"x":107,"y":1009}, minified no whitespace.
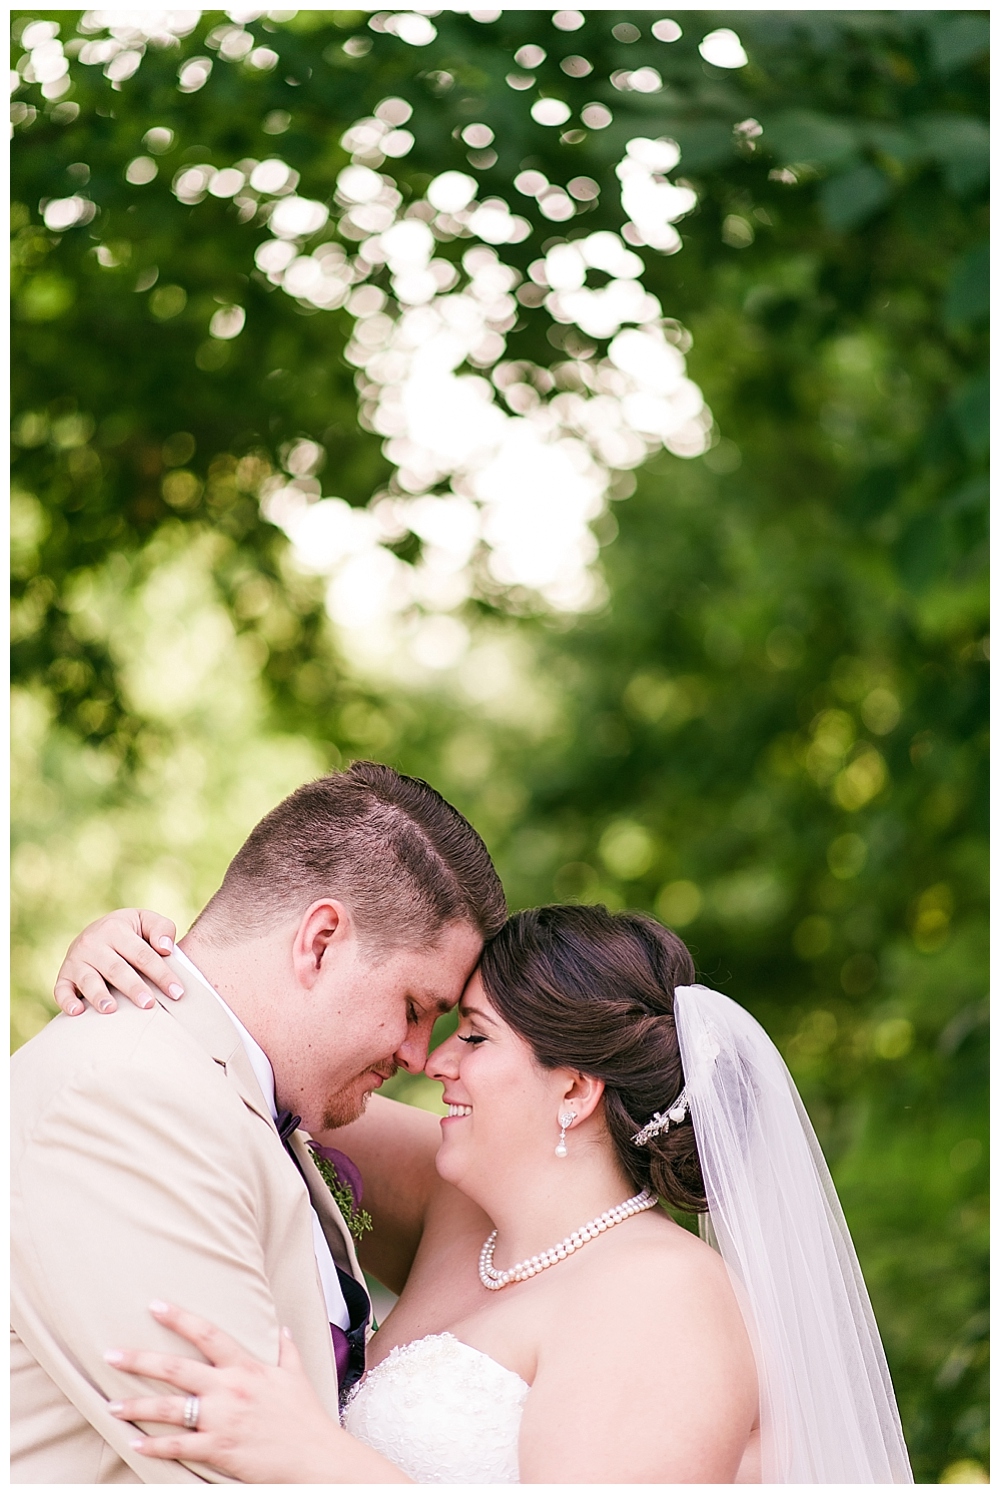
{"x":686,"y":1296}
{"x":654,"y":1237}
{"x":656,"y":1310}
{"x":673,"y":1274}
{"x":666,"y":1254}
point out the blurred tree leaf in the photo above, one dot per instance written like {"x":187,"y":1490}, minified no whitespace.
{"x":962,"y":40}
{"x":852,"y":198}
{"x":968,"y":296}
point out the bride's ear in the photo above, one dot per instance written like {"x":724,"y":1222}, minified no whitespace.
{"x":582,"y":1094}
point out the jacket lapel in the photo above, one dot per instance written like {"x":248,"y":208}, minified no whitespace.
{"x":332,"y":1221}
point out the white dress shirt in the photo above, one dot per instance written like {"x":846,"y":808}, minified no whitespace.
{"x":336,"y":1307}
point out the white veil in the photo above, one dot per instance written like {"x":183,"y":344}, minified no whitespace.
{"x":828,"y":1413}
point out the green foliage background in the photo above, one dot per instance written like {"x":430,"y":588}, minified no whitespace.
{"x":773,"y":734}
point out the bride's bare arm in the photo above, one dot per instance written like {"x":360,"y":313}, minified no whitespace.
{"x":394,"y":1146}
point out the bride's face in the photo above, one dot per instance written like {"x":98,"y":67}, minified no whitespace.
{"x":502,"y":1104}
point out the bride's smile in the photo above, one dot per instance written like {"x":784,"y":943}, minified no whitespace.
{"x":503,"y":1142}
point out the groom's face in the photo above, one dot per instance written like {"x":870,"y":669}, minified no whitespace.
{"x":364,"y":1015}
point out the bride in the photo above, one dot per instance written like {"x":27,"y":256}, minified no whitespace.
{"x":554,"y":1324}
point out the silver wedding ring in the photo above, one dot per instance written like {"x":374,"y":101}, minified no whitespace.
{"x":192,"y":1410}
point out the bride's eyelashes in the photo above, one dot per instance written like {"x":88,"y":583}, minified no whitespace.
{"x":473,"y":1039}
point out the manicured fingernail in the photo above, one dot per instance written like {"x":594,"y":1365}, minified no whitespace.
{"x":115,"y":1406}
{"x":136,"y":1444}
{"x":75,"y":1009}
{"x":165,"y":943}
{"x":113,"y":1356}
{"x":286,"y":1333}
{"x":176,"y":992}
{"x":107,"y":1006}
{"x":147,"y":1005}
{"x":158,"y":1307}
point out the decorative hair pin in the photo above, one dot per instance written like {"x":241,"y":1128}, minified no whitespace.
{"x":662,"y":1122}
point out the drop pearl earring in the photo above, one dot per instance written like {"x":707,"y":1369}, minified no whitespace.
{"x":566,"y":1118}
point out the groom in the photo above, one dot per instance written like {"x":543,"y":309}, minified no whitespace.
{"x":162,"y":1157}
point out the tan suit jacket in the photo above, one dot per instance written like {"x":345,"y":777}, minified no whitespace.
{"x":146,"y":1164}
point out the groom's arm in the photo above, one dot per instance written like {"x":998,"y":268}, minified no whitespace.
{"x":124,"y":1194}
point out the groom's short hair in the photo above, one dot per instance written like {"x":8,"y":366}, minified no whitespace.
{"x":390,"y":847}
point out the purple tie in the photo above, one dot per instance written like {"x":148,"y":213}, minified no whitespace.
{"x":348,"y":1347}
{"x":341,"y":1351}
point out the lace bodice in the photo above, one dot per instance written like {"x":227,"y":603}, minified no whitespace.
{"x":442,"y":1412}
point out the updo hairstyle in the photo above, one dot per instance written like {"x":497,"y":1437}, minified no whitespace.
{"x":594,"y":991}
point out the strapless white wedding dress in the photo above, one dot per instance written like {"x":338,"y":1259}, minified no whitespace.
{"x":442,"y":1412}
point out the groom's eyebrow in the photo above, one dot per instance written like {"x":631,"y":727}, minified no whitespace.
{"x":440,"y":1005}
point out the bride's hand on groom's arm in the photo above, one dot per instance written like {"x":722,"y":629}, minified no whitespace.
{"x":109,"y":953}
{"x":257,"y":1423}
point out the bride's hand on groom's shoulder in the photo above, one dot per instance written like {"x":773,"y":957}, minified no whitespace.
{"x":255,"y":1422}
{"x":108,"y":958}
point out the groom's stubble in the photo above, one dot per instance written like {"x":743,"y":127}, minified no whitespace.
{"x":350,"y":1103}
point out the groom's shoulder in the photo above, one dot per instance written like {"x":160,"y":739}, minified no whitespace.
{"x":78,"y":1040}
{"x":124,"y":1048}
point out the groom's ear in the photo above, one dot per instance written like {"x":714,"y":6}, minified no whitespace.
{"x":324,"y":928}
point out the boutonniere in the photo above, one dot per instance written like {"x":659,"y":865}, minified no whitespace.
{"x":344,"y":1182}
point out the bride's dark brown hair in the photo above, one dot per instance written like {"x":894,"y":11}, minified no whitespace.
{"x":594,"y":991}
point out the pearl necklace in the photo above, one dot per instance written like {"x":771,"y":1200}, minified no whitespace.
{"x":494,"y":1280}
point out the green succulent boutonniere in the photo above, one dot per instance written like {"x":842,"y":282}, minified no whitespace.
{"x":358,"y":1221}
